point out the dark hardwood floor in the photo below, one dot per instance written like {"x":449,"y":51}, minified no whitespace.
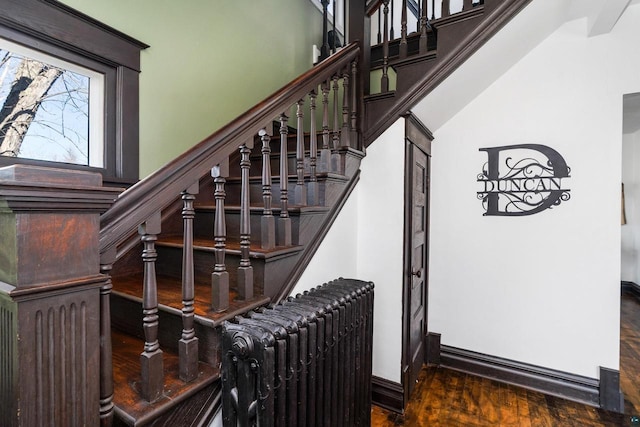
{"x":448,"y":398}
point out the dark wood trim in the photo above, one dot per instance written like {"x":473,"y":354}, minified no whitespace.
{"x":611,"y":397}
{"x":415,"y":134}
{"x":56,"y":29}
{"x":466,"y":47}
{"x":387,"y":394}
{"x":548,"y":381}
{"x":630,"y":288}
{"x":433,"y":348}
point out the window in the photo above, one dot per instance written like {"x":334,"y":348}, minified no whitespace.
{"x":50,"y":109}
{"x":81,"y":78}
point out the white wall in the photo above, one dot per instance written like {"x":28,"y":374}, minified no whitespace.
{"x":542,"y":289}
{"x":366,"y":242}
{"x":630,"y":236}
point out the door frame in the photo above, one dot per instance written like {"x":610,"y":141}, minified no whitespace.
{"x":418,"y":135}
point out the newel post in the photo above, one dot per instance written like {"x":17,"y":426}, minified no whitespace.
{"x":50,"y":296}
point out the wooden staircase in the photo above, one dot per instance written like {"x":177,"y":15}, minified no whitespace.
{"x":234,"y":239}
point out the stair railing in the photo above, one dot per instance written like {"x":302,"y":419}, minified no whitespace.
{"x":139,"y":208}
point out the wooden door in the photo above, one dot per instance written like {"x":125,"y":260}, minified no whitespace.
{"x":416,"y":266}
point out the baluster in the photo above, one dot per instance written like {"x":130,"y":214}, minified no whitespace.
{"x":403,"y":31}
{"x":334,"y":35}
{"x":344,"y":134}
{"x":433,"y":9}
{"x":391,"y":31}
{"x":419,"y":14}
{"x":220,"y":276}
{"x":284,"y":222}
{"x":106,"y":364}
{"x":335,"y":156}
{"x":446,"y":10}
{"x":268,"y":221}
{"x":384,"y":82}
{"x":151,"y":358}
{"x":188,"y":344}
{"x":313,"y":151}
{"x":423,"y":28}
{"x":354,"y":105}
{"x":325,"y":152}
{"x":245,"y":271}
{"x":300,"y":193}
{"x":324,"y":50}
{"x":467,"y":4}
{"x":336,"y":118}
{"x":379,"y":26}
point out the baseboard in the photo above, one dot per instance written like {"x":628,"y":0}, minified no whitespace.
{"x":631,"y":288}
{"x":387,"y":394}
{"x":433,"y":348}
{"x":611,"y":397}
{"x":548,"y":381}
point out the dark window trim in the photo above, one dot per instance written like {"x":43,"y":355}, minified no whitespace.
{"x":58,"y":30}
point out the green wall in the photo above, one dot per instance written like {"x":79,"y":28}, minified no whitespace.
{"x":209,"y":61}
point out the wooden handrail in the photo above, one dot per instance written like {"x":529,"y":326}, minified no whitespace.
{"x":158,"y":190}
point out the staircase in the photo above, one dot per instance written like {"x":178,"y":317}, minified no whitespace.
{"x":232,"y":223}
{"x":235,"y":235}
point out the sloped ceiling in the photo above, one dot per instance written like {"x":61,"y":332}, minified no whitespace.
{"x":528,"y":29}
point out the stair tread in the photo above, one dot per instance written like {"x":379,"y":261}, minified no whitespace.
{"x":232,"y":246}
{"x":126,"y":373}
{"x":170,"y":297}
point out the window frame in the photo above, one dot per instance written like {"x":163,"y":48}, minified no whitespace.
{"x":60,"y":31}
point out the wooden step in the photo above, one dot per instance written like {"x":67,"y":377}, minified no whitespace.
{"x":129,"y":408}
{"x":126,"y":303}
{"x":269,"y":266}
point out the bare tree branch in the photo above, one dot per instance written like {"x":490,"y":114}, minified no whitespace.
{"x":33,"y":80}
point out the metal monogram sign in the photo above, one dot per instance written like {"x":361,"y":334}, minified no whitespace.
{"x":525,"y":179}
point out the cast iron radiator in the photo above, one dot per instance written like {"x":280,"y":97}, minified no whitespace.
{"x":303,"y":362}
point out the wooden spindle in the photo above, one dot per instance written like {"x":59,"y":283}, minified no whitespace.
{"x":245,"y":270}
{"x":403,"y":31}
{"x":433,"y":9}
{"x":152,"y":382}
{"x":284,"y":222}
{"x":220,"y":276}
{"x":354,"y":141}
{"x":344,"y":134}
{"x":300,"y":192}
{"x":391,"y":30}
{"x":334,"y":34}
{"x":379,"y":26}
{"x":188,"y":344}
{"x":384,"y":81}
{"x":312,"y":195}
{"x":419,"y":11}
{"x":467,"y":5}
{"x":446,"y":9}
{"x":423,"y":28}
{"x":336,"y":117}
{"x":268,"y":221}
{"x":325,"y":152}
{"x":324,"y":50}
{"x":106,"y":365}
